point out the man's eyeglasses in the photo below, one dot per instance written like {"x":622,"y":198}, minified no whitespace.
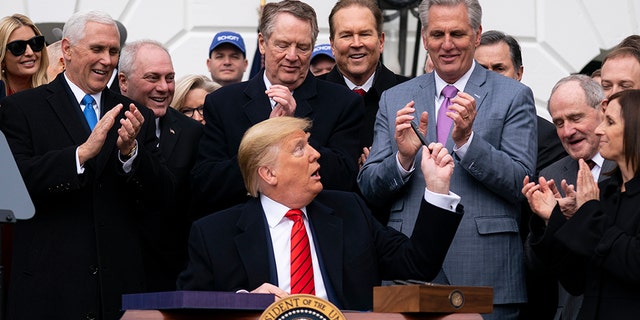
{"x":190,"y":112}
{"x":18,"y":47}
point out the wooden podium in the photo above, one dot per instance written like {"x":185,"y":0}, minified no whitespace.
{"x":198,"y":305}
{"x":255,"y":315}
{"x":433,"y":298}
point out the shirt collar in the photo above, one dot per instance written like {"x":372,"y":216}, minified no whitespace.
{"x":275,"y":211}
{"x":366,"y":86}
{"x":460,"y":84}
{"x":79,"y":94}
{"x":598,"y":159}
{"x":267,"y":84}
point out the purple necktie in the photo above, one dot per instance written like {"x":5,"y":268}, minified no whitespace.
{"x":443,"y":124}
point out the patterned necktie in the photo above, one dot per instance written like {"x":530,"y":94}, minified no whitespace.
{"x":360,"y":91}
{"x":443,"y":124}
{"x":301,"y":266}
{"x":89,"y":113}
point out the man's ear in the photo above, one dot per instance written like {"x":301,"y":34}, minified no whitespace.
{"x":268,"y":175}
{"x":122,"y":82}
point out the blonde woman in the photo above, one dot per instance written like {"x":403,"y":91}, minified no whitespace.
{"x":24,"y":62}
{"x":190,"y":93}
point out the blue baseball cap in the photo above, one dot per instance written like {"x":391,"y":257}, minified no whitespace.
{"x":322,"y":49}
{"x":228,"y":37}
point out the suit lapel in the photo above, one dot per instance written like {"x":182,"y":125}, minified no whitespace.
{"x":570,"y":172}
{"x":336,"y":77}
{"x":170,"y":133}
{"x":475,"y":85}
{"x":425,"y":100}
{"x":251,"y":243}
{"x":63,"y":103}
{"x":258,"y":107}
{"x":328,"y":235}
{"x":303,"y":93}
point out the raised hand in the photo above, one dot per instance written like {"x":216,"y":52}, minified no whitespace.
{"x":463,"y":113}
{"x":568,"y":202}
{"x":437,"y":167}
{"x":94,"y":143}
{"x":129,"y":128}
{"x":540,"y":197}
{"x":285,"y":103}
{"x":586,"y":185}
{"x":407,"y":141}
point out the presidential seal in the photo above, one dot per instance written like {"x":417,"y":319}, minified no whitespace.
{"x":456,"y":299}
{"x":302,"y":307}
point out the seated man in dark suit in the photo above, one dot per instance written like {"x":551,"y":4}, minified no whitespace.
{"x":253,"y":246}
{"x":284,"y":87}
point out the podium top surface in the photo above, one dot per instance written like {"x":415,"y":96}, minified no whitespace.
{"x":171,"y":300}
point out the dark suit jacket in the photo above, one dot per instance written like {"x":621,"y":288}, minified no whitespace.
{"x":550,"y":148}
{"x":229,"y":111}
{"x":230,"y":250}
{"x":3,"y":90}
{"x":82,"y":250}
{"x":595,"y":251}
{"x":541,"y":288}
{"x":546,"y":298}
{"x":166,"y":232}
{"x":383,"y":80}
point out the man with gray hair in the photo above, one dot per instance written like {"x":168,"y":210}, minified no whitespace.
{"x":147,"y":76}
{"x":285,"y":87}
{"x":488,"y":121}
{"x":89,"y":157}
{"x":575,"y":108}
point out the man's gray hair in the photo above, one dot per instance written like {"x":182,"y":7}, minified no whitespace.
{"x":74,"y":27}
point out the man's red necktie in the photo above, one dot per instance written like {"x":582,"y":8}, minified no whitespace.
{"x":301,"y":266}
{"x":360,"y":91}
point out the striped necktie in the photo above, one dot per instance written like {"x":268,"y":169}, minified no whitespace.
{"x":301,"y":266}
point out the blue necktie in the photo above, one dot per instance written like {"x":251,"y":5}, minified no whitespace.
{"x":89,"y":113}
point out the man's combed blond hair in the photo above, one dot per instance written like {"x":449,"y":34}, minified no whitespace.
{"x":260,"y":144}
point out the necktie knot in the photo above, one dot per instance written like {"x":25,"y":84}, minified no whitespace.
{"x":89,"y":113}
{"x":360,"y":91}
{"x":294,"y":214}
{"x":449,"y":91}
{"x":88,"y":100}
{"x":591,"y":163}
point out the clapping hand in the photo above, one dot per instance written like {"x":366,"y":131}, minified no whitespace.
{"x":542,"y":198}
{"x":408,"y":143}
{"x":130,"y":126}
{"x":587,"y":186}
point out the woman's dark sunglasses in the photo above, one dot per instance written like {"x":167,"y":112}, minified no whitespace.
{"x":18,"y":47}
